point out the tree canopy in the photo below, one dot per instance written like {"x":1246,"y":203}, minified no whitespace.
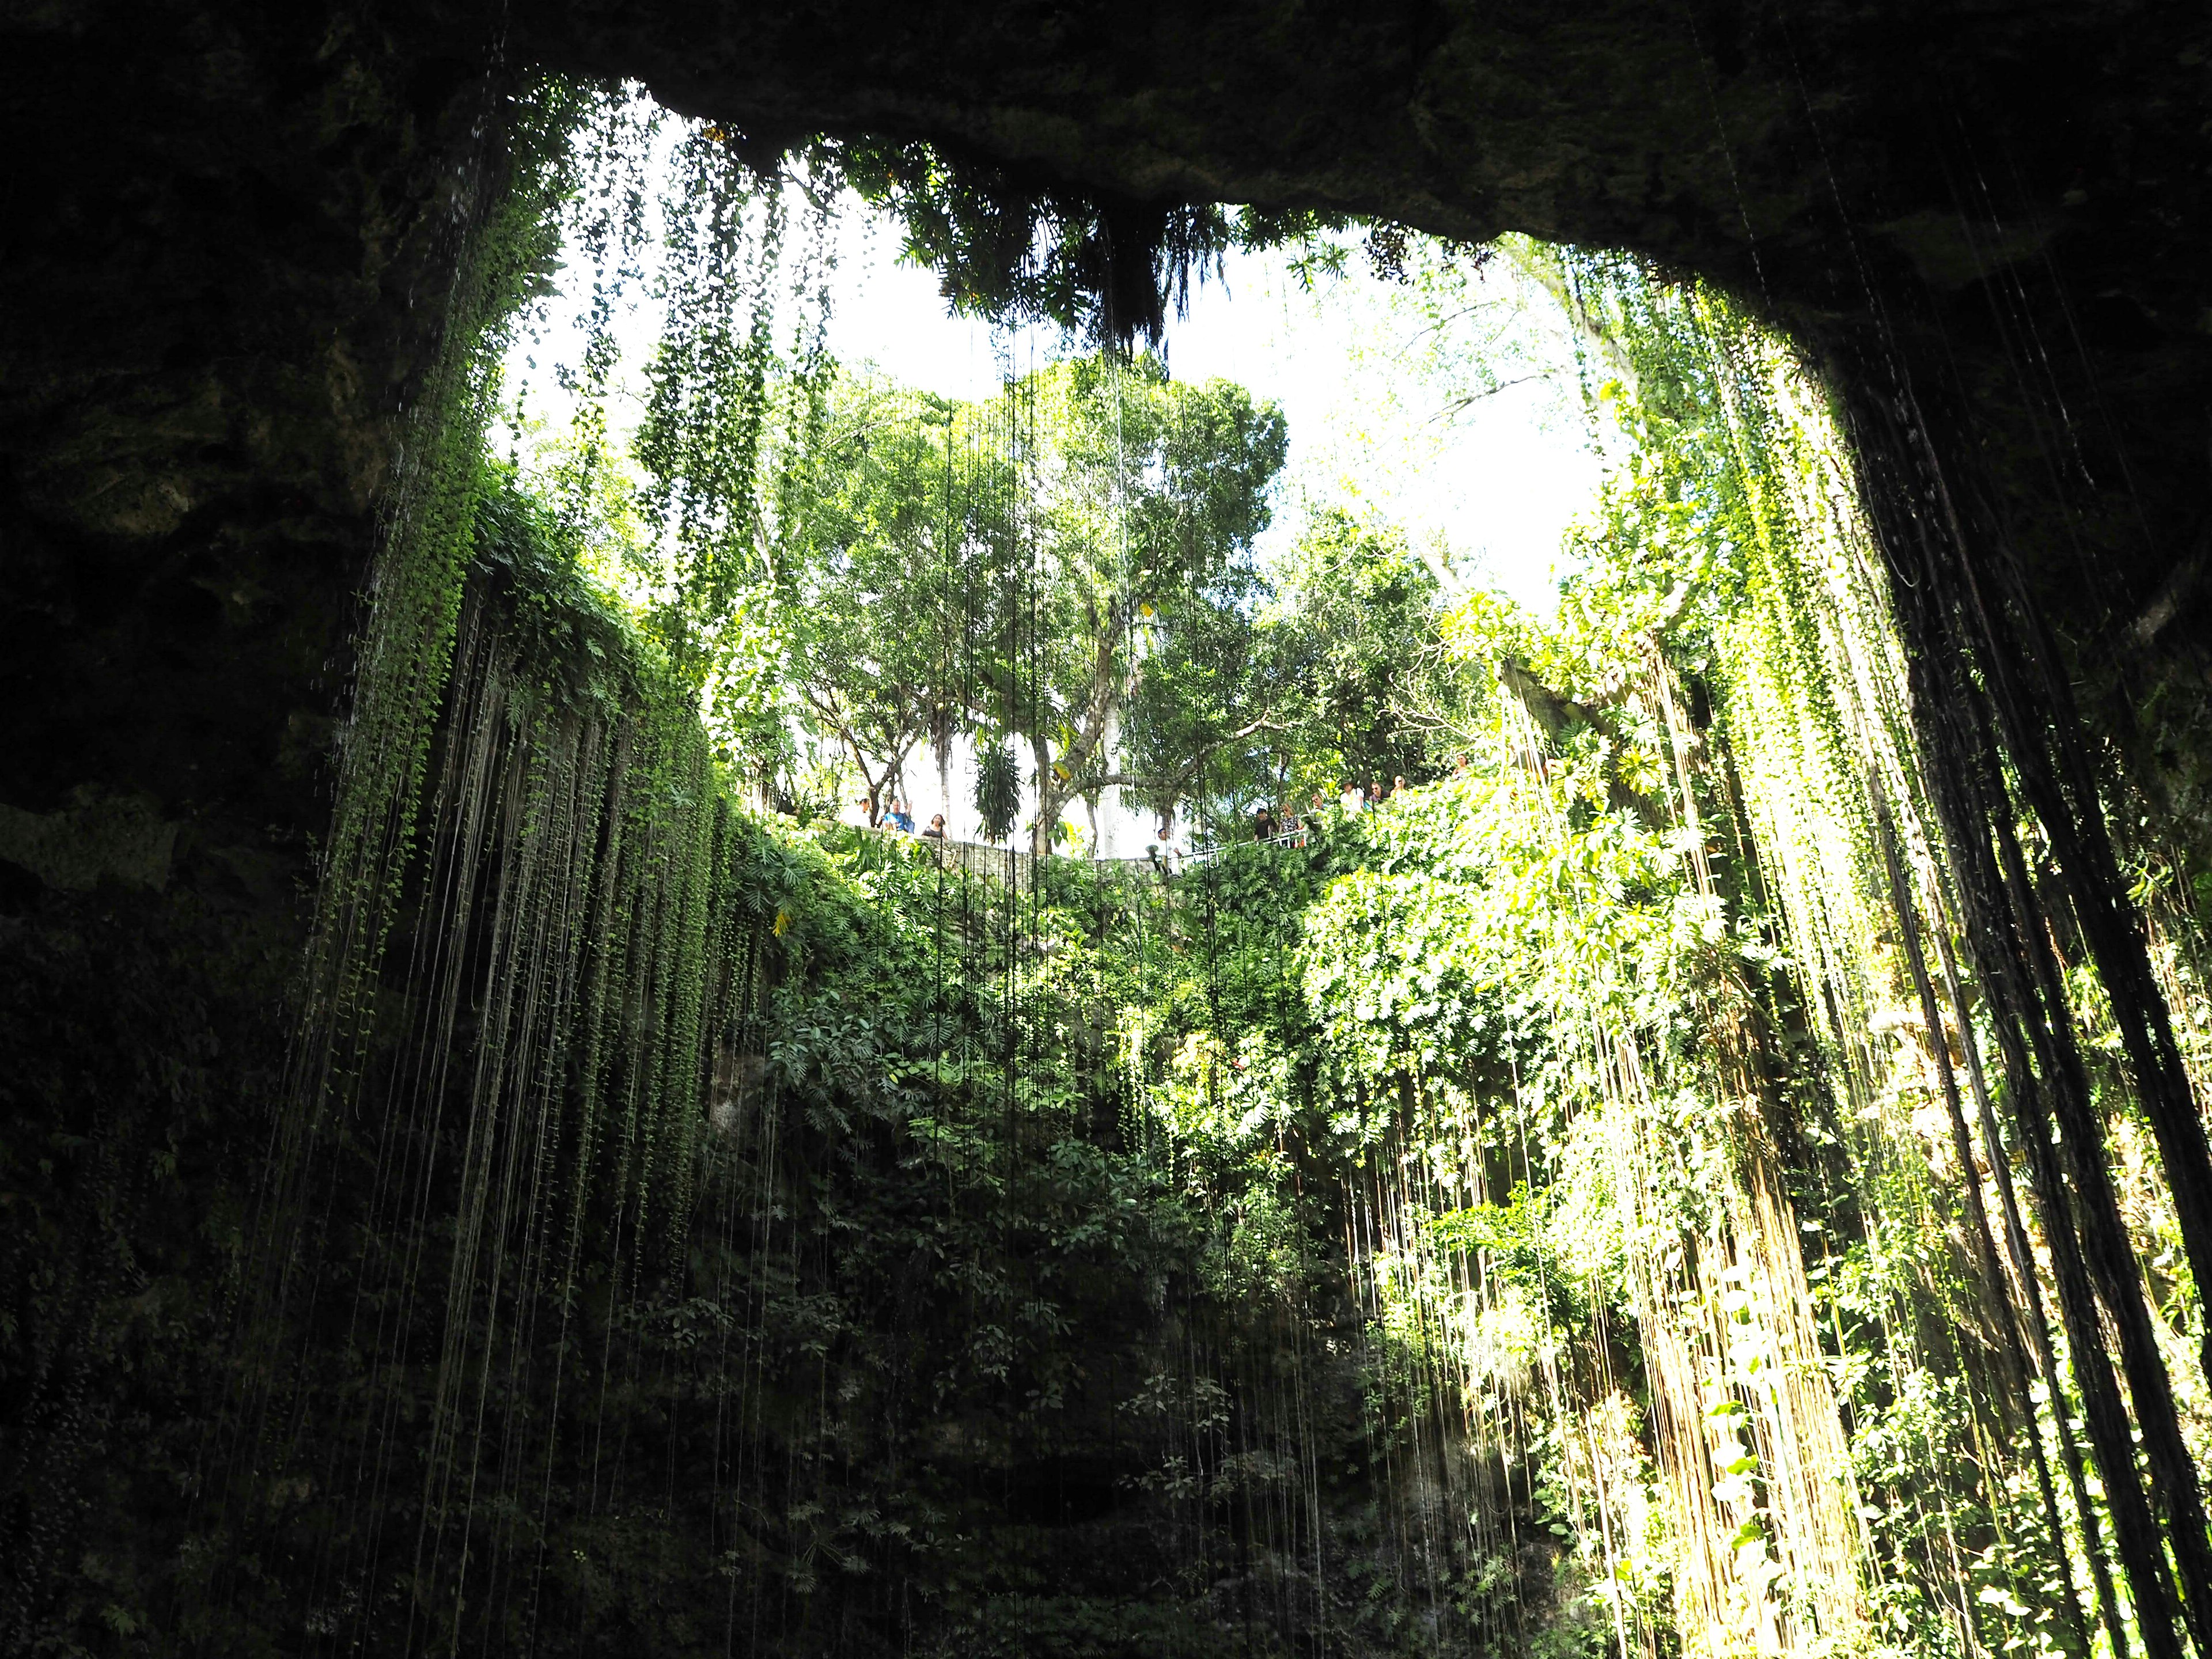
{"x":1056,"y":569}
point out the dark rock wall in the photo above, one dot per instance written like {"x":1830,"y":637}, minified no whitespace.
{"x":226,"y":236}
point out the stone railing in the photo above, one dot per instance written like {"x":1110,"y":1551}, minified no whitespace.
{"x":1006,"y":864}
{"x":1011,"y":865}
{"x":1209,"y":855}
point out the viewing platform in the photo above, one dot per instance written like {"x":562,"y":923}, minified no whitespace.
{"x":1010,"y":864}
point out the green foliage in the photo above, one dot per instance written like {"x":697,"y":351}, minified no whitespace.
{"x":566,"y":626}
{"x":1006,"y":247}
{"x":998,"y":790}
{"x":1369,"y":694}
{"x":1105,"y":267}
{"x":1068,"y":563}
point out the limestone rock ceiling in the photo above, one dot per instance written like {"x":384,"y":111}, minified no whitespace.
{"x":1691,"y":131}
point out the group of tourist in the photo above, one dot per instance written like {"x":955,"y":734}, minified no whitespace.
{"x":1268,"y":824}
{"x":1352,"y":800}
{"x":895,"y":816}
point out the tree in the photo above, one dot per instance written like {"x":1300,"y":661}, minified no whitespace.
{"x":1154,"y":495}
{"x":884,"y":571}
{"x":1365,"y":684}
{"x":1025,"y":569}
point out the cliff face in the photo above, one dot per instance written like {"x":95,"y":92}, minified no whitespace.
{"x":226,"y":237}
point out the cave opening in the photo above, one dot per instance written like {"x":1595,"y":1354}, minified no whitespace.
{"x":1707,"y":1154}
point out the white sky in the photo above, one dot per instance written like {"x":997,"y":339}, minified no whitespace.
{"x":1364,"y":379}
{"x":1499,"y":481}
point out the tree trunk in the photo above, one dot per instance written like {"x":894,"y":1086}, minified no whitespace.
{"x":1058,"y":784}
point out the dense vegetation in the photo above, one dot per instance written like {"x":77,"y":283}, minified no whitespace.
{"x":1568,"y":1209}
